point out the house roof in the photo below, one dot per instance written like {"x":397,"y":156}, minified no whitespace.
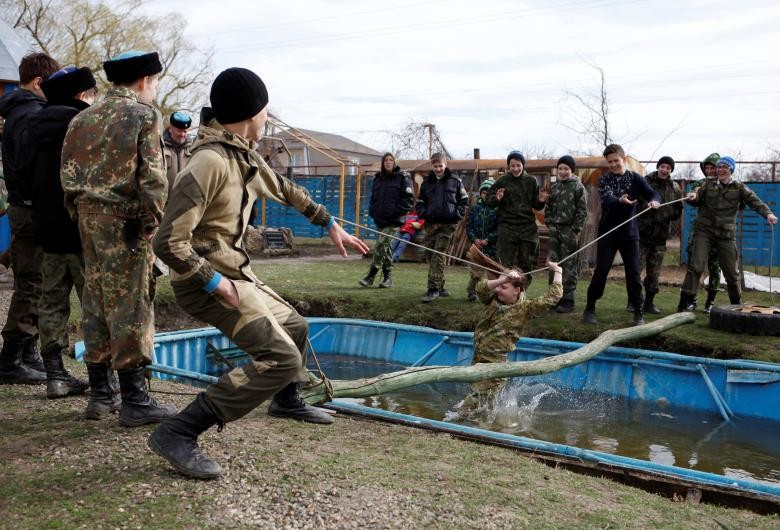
{"x":12,"y":48}
{"x":334,"y":141}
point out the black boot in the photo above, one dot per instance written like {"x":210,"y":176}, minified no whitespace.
{"x":638,"y":318}
{"x":708,"y":305}
{"x":288,"y":404}
{"x":103,"y":392}
{"x":387,"y":278}
{"x":138,"y":407}
{"x":30,"y":356}
{"x":176,"y":440}
{"x":735,"y":296}
{"x":649,"y":306}
{"x":589,"y":315}
{"x":13,"y":371}
{"x":686,"y":301}
{"x":368,"y":281}
{"x":59,"y":383}
{"x":565,"y":306}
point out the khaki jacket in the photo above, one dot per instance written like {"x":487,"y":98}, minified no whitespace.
{"x":176,"y":156}
{"x":208,"y":211}
{"x":718,"y":207}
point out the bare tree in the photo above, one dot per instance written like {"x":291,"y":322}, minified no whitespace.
{"x":87,"y":32}
{"x":595,"y":124}
{"x":417,"y":140}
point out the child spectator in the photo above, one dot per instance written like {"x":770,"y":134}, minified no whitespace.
{"x":654,"y":229}
{"x":505,"y":318}
{"x":481,"y":229}
{"x":442,"y":203}
{"x":515,"y":195}
{"x":619,"y":189}
{"x":565,"y":216}
{"x":412,"y":223}
{"x":391,"y":198}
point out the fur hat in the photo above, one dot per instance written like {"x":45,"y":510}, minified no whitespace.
{"x":63,"y":85}
{"x":130,"y":66}
{"x":237,"y":94}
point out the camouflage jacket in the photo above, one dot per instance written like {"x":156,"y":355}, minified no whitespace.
{"x":176,"y":156}
{"x":481,"y":224}
{"x":654,"y":224}
{"x":112,"y":160}
{"x":567,"y":206}
{"x":210,"y":204}
{"x":718,"y":207}
{"x":515,"y":209}
{"x":503,"y":324}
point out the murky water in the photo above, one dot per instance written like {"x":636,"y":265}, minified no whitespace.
{"x":745,"y":449}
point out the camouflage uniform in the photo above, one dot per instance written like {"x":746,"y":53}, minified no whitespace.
{"x":61,"y":273}
{"x":382,"y":252}
{"x":518,"y":237}
{"x":654,"y":229}
{"x":498,"y":332}
{"x":481,"y":224}
{"x":715,"y":228}
{"x":565,"y":215}
{"x":712,"y":261}
{"x":437,"y":237}
{"x":113,"y":175}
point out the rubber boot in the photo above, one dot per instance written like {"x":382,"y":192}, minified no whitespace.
{"x":442,"y":291}
{"x":710,"y":303}
{"x":735,"y":296}
{"x":288,"y":404}
{"x":368,"y":281}
{"x":138,"y":407}
{"x":387,"y":278}
{"x":103,"y":392}
{"x":30,"y":356}
{"x":13,"y":371}
{"x":59,"y":383}
{"x":638,"y":318}
{"x":176,"y":440}
{"x":649,"y":306}
{"x":565,"y":306}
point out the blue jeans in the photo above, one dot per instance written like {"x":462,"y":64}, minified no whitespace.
{"x":397,"y":247}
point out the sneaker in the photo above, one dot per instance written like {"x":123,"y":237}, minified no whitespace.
{"x":430,"y":296}
{"x":708,"y":307}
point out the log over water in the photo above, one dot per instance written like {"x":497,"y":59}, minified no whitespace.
{"x":316,"y":392}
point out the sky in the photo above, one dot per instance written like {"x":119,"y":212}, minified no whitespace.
{"x":683,"y":78}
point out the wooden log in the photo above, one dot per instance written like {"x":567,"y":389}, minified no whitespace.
{"x":315,"y":392}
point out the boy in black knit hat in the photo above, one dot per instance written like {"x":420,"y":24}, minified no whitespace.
{"x":209,"y":208}
{"x":113,"y":175}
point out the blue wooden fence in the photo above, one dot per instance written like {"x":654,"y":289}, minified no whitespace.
{"x":756,"y":232}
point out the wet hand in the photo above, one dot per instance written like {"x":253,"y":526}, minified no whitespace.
{"x":341,"y":239}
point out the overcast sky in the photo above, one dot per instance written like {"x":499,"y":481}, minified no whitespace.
{"x":684,"y":78}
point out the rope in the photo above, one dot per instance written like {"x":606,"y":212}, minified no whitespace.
{"x":470,"y":263}
{"x":323,"y":378}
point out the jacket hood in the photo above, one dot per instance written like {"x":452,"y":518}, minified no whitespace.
{"x":213,"y":132}
{"x":16,"y":98}
{"x":50,"y":124}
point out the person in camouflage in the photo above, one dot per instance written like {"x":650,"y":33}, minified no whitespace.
{"x":392,"y":196}
{"x":481,"y":231}
{"x":68,"y":92}
{"x":212,"y":278}
{"x":515,"y":196}
{"x":442,"y":203}
{"x":113,"y":175}
{"x":505,"y":318}
{"x":718,"y":201}
{"x":565,"y":216}
{"x":654,"y":229}
{"x":708,"y":168}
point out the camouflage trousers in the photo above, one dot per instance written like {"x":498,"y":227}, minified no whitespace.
{"x":382,"y":251}
{"x":266,"y":328}
{"x":60,"y":274}
{"x":725,"y":249}
{"x":563,"y":242}
{"x":651,"y":258}
{"x":713,"y":267}
{"x":22,"y":320}
{"x":117,"y":302}
{"x":513,"y":251}
{"x":437,"y":237}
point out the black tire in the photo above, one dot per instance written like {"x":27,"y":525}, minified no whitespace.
{"x":746,"y":318}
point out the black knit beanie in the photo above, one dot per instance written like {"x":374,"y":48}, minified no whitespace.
{"x":63,"y":85}
{"x":131,"y":66}
{"x":237,"y":94}
{"x":569,"y":161}
{"x":665,"y":160}
{"x":515,"y":155}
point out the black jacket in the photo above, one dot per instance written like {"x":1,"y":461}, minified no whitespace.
{"x":16,"y":108}
{"x":613,"y":212}
{"x":392,"y":197}
{"x":54,"y":229}
{"x":442,"y":200}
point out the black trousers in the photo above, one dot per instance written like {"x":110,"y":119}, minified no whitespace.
{"x":605,"y":254}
